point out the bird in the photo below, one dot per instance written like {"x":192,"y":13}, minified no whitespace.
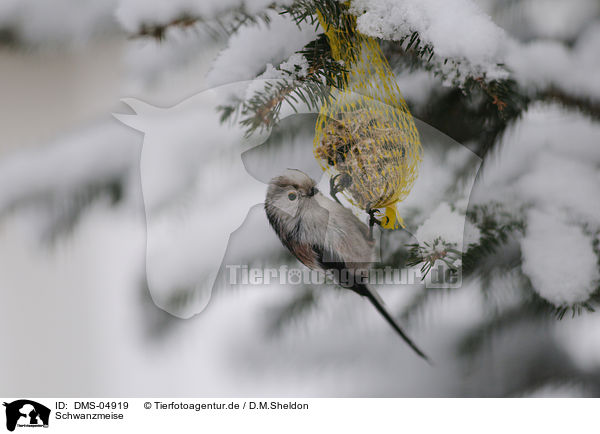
{"x":325,"y":236}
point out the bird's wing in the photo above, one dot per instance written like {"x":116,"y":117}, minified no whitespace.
{"x":304,"y":252}
{"x":328,"y":259}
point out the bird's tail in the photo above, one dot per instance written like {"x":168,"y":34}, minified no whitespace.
{"x":378,"y":303}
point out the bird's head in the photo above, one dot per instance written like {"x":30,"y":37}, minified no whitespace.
{"x":289,"y":191}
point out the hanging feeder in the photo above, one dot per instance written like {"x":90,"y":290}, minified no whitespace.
{"x":365,"y":135}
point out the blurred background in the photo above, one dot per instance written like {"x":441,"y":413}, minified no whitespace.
{"x":76,"y":314}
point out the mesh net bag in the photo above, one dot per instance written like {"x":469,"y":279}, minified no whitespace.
{"x":365,"y":130}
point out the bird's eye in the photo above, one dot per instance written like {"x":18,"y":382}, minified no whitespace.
{"x":292,"y":196}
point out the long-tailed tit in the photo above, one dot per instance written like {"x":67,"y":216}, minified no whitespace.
{"x":324,"y":236}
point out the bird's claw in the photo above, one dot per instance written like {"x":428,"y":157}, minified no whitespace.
{"x":334,"y":188}
{"x":374,"y":221}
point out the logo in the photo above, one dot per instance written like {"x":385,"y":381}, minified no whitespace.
{"x":26,"y":413}
{"x":191,"y":161}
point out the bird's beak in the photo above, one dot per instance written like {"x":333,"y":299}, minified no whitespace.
{"x":312,"y":191}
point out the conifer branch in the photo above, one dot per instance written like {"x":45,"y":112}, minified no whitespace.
{"x":262,"y":109}
{"x":223,"y":25}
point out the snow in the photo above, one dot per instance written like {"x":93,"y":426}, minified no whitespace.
{"x":94,"y":155}
{"x":448,"y":225}
{"x":296,"y":65}
{"x":543,"y":63}
{"x":443,"y":160}
{"x":559,"y":260}
{"x":417,"y":86}
{"x":442,"y":223}
{"x":69,"y":22}
{"x":293,"y":68}
{"x":585,"y":349}
{"x":548,"y":164}
{"x":559,"y":390}
{"x":253,"y":47}
{"x":132,"y":14}
{"x":533,"y":166}
{"x":478,"y":45}
{"x":558,"y":183}
{"x":475,"y":38}
{"x":181,"y":52}
{"x":561,"y":19}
